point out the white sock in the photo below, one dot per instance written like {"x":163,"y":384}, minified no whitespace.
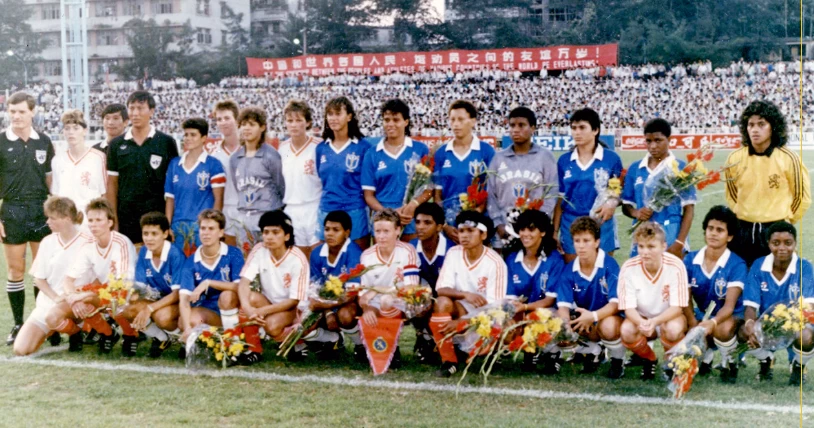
{"x":759,"y":353}
{"x":229,"y":318}
{"x":176,"y":332}
{"x":616,"y":349}
{"x":726,"y":348}
{"x":153,"y":330}
{"x":592,"y":348}
{"x":322,"y":335}
{"x":353,"y":334}
{"x":802,"y":357}
{"x":299,"y":347}
{"x":709,"y":355}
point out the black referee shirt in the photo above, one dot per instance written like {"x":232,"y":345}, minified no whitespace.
{"x":24,"y":165}
{"x":141,"y":171}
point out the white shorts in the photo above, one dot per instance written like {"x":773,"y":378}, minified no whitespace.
{"x":231,"y":214}
{"x":40,"y":313}
{"x":304,"y":219}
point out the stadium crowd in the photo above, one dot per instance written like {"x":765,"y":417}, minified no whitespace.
{"x":693,"y":96}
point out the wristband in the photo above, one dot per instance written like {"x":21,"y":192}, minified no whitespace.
{"x":747,"y":321}
{"x":678,"y":241}
{"x":150,"y":308}
{"x":596,"y":317}
{"x":415,"y":201}
{"x":714,"y":322}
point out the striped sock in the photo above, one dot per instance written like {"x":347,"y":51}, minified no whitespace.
{"x":16,"y":297}
{"x":321,"y":335}
{"x":642,"y":349}
{"x":801,"y":356}
{"x":353,"y":334}
{"x":154,"y":331}
{"x":127,"y":329}
{"x":229,"y":318}
{"x":667,"y":344}
{"x":616,"y":349}
{"x":68,"y":326}
{"x":726,"y":348}
{"x":99,"y":324}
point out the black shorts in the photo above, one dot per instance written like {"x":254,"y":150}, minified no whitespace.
{"x":130,"y":226}
{"x":24,"y":221}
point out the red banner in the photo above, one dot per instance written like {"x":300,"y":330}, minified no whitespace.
{"x":686,"y":142}
{"x":522,"y":59}
{"x":381,"y":342}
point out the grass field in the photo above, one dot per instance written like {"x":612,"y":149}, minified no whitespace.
{"x":86,"y":389}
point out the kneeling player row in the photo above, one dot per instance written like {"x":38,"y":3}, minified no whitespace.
{"x":611,"y":308}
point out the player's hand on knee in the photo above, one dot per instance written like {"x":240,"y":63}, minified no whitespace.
{"x":370,"y":318}
{"x":142,"y":319}
{"x":475,"y":299}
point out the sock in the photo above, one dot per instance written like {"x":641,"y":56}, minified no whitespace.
{"x":616,"y":349}
{"x":251,"y":335}
{"x":299,"y":347}
{"x":153,"y":330}
{"x":709,"y":355}
{"x":176,"y":332}
{"x":321,"y":335}
{"x":353,"y":334}
{"x":229,"y":318}
{"x":759,"y":353}
{"x":446,"y":349}
{"x":127,"y":329}
{"x":99,"y":324}
{"x":591,"y":348}
{"x":666,"y":344}
{"x":726,"y":348}
{"x":68,"y":327}
{"x":16,"y":297}
{"x":390,"y":313}
{"x":642,"y":349}
{"x":801,"y":356}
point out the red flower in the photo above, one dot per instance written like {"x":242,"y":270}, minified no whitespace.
{"x":495,"y":332}
{"x":707,"y":157}
{"x":206,"y":334}
{"x":478,"y":344}
{"x":344,"y":277}
{"x":689,"y":168}
{"x":357,"y":270}
{"x":462,"y":326}
{"x":536,"y":204}
{"x":714,"y":177}
{"x":521,"y":201}
{"x":543,"y":339}
{"x":533,"y":316}
{"x":691,"y":157}
{"x":516,"y":344}
{"x":701,"y":185}
{"x":809,"y":316}
{"x":246,"y":248}
{"x":622,"y":176}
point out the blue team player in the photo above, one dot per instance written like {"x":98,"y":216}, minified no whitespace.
{"x":534,"y":269}
{"x":214,"y":267}
{"x":195,"y":182}
{"x":460,"y":161}
{"x":339,"y":165}
{"x":780,"y":277}
{"x":675,"y":219}
{"x":159,"y":265}
{"x":337,"y":256}
{"x":717,"y":276}
{"x":588,"y":287}
{"x":582,"y":173}
{"x":386,"y":169}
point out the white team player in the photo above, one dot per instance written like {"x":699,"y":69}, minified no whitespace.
{"x":226,"y":113}
{"x":57,"y":252}
{"x":303,"y":187}
{"x":80,"y":172}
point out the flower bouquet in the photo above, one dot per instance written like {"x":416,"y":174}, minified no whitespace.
{"x":188,"y":235}
{"x":475,"y":197}
{"x":206,"y":342}
{"x":113,"y":295}
{"x":541,"y":330}
{"x":682,"y":359}
{"x":521,"y":205}
{"x":607,"y":192}
{"x":413,"y":300}
{"x":419,"y":177}
{"x":777,"y":327}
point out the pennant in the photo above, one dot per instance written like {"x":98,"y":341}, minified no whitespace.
{"x":445,"y":349}
{"x":381,"y":342}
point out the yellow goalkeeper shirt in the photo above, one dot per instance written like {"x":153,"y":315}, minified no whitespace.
{"x":767,"y":187}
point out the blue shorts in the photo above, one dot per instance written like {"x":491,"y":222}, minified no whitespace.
{"x":211,"y":304}
{"x":609,"y":236}
{"x":699,"y":314}
{"x":185,"y":232}
{"x":359,"y":222}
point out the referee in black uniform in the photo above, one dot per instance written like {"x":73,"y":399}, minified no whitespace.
{"x":137,"y":164}
{"x":25,"y":180}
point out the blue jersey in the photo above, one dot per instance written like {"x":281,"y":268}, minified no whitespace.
{"x":428,"y":269}
{"x":192,"y":189}
{"x":346,"y":260}
{"x":633,"y":194}
{"x":387,"y":174}
{"x":341,"y":175}
{"x":166,"y":277}
{"x":706,"y":288}
{"x":580,"y":184}
{"x":227,"y":269}
{"x":535,"y":283}
{"x":593,"y":292}
{"x":762,"y":289}
{"x":454,"y":174}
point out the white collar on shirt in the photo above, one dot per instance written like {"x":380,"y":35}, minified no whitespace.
{"x":522,"y":254}
{"x":11,"y":136}
{"x":440,"y":250}
{"x":224,"y":249}
{"x":165,"y":252}
{"x":201,"y":159}
{"x":324,"y":252}
{"x":666,"y":161}
{"x":408,"y":142}
{"x":474,"y":146}
{"x":599,"y":153}
{"x":768,"y":262}
{"x":699,"y":258}
{"x":599,"y":264}
{"x":129,"y":134}
{"x":352,"y":140}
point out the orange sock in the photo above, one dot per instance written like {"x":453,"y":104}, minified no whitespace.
{"x":667,"y":344}
{"x":99,"y":324}
{"x":127,"y":329}
{"x":252,"y":335}
{"x":642,"y":349}
{"x":445,"y":349}
{"x":68,"y":327}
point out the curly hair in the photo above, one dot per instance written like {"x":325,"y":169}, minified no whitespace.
{"x":771,"y":113}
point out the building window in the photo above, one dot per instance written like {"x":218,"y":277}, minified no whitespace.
{"x":105,"y":9}
{"x":223,"y":9}
{"x":560,"y":14}
{"x":162,"y":7}
{"x":275,"y":27}
{"x":53,"y":68}
{"x":50,"y":11}
{"x":224,"y":38}
{"x":132,"y":8}
{"x":202,"y":8}
{"x":204,"y":36}
{"x":107,"y":38}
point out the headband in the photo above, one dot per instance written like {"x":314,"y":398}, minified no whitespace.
{"x":469,"y":223}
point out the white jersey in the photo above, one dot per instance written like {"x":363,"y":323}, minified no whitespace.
{"x":302,"y":183}
{"x":95,"y":263}
{"x":55,"y":257}
{"x":652,"y":294}
{"x":82,"y":179}
{"x":229,"y":192}
{"x":486,"y":276}
{"x":287,"y":278}
{"x":390,"y":271}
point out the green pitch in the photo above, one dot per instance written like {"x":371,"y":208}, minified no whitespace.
{"x":41,"y":395}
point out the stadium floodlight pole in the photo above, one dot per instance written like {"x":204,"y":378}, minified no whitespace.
{"x":11,"y":53}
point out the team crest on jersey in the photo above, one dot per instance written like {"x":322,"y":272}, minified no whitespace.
{"x":155,"y":161}
{"x":250,"y":196}
{"x":447,"y":164}
{"x":794,"y":292}
{"x":764,"y":286}
{"x":476,"y":168}
{"x":603,"y":284}
{"x":567,"y":174}
{"x":175,"y":178}
{"x":576,"y":288}
{"x":482,"y":285}
{"x":324,"y":159}
{"x":41,"y":155}
{"x":203,"y":180}
{"x":544,"y":280}
{"x":502,"y":166}
{"x":409,"y":165}
{"x":665,"y":293}
{"x":601,"y":177}
{"x":287,"y":280}
{"x":224,"y":273}
{"x":84,"y":179}
{"x":113,"y":270}
{"x":197,"y":276}
{"x":519,"y":190}
{"x":351,"y":161}
{"x":168,"y":278}
{"x":310,"y":167}
{"x":720,"y":287}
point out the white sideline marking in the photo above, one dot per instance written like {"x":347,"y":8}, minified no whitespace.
{"x":408,"y":386}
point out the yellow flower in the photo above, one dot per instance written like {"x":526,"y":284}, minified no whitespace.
{"x":213,"y":329}
{"x":218,"y":356}
{"x":699,"y":166}
{"x":615,"y":186}
{"x":235,"y":348}
{"x":422,"y":169}
{"x":696,"y":350}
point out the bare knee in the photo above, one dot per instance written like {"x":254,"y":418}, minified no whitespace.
{"x":228,"y":300}
{"x":726,"y":330}
{"x":443,"y":305}
{"x":674,"y":329}
{"x":609,"y":328}
{"x":166,"y":319}
{"x":629,"y":332}
{"x":347,"y":316}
